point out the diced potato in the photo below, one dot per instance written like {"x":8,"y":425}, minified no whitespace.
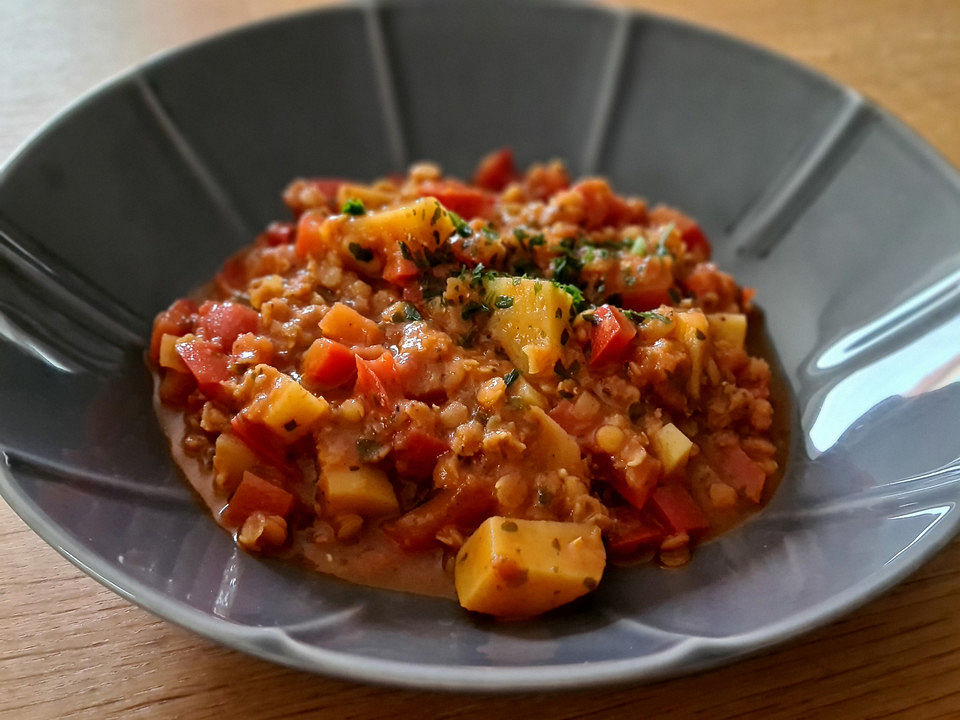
{"x":554,"y":447}
{"x":421,"y":225}
{"x":528,"y":393}
{"x":519,"y":568}
{"x":287,"y":408}
{"x":231,"y":458}
{"x":672,"y":447}
{"x":728,"y":329}
{"x":344,"y":324}
{"x":169,"y":358}
{"x":363,"y":490}
{"x":530,"y":329}
{"x":692,"y":329}
{"x":371,"y":196}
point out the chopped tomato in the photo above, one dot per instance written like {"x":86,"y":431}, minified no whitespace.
{"x":564,"y":415}
{"x":280,"y":233}
{"x":264,"y":443}
{"x":468,"y":202}
{"x":207,"y":362}
{"x":738,"y":470}
{"x":328,"y":364}
{"x":399,"y":270}
{"x":378,"y":380}
{"x":632,"y":530}
{"x":177,"y":320}
{"x":678,"y":509}
{"x":232,"y":277}
{"x":611,"y":337}
{"x":415,"y":453}
{"x":690,"y":233}
{"x":636,"y":484}
{"x":463,"y":506}
{"x":312,"y":235}
{"x":222,"y":323}
{"x":646,"y":299}
{"x":496,"y":170}
{"x":600,"y":205}
{"x":254,"y":494}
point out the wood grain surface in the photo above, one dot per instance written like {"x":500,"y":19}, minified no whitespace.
{"x":71,"y":648}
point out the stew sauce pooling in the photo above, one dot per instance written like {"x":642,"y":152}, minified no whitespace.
{"x":496,"y":385}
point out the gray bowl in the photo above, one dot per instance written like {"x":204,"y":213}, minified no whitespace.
{"x":844,"y":221}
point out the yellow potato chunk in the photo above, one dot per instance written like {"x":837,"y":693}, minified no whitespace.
{"x":285,"y":406}
{"x":168,"y":354}
{"x":554,"y":447}
{"x":529,"y":329}
{"x":344,"y":324}
{"x":672,"y":447}
{"x":728,"y":329}
{"x":520,"y":568}
{"x":363,"y":490}
{"x":691,"y":330}
{"x":231,"y":457}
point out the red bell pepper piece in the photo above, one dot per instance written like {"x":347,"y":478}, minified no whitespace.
{"x":632,"y":530}
{"x":637,"y":484}
{"x":328,"y":364}
{"x":254,"y":494}
{"x":261,"y":440}
{"x":563,"y":414}
{"x":678,"y":509}
{"x":466,"y":201}
{"x":415,"y":453}
{"x":496,"y":170}
{"x":280,"y":233}
{"x":611,"y":336}
{"x":463,"y":506}
{"x":222,"y":323}
{"x":378,"y":380}
{"x":177,"y":320}
{"x":310,"y":239}
{"x":399,"y":270}
{"x":690,"y":233}
{"x":207,"y":362}
{"x":739,"y":471}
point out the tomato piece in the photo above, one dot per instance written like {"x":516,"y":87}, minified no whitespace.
{"x":611,"y":337}
{"x":737,"y":469}
{"x":222,"y":323}
{"x":378,"y":380}
{"x":690,"y":233}
{"x":678,"y":509}
{"x":496,"y":170}
{"x":177,"y":320}
{"x":601,"y":206}
{"x":645,"y":299}
{"x":328,"y":364}
{"x":468,"y":202}
{"x":280,"y":233}
{"x":399,"y":270}
{"x":254,"y":494}
{"x":632,"y":530}
{"x":264,"y":443}
{"x":311,"y":234}
{"x":565,"y":417}
{"x":637,"y":484}
{"x":463,"y":506}
{"x":206,"y":362}
{"x":232,"y":277}
{"x":415,"y":453}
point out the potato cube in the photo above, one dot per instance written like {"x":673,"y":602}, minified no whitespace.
{"x":672,"y":447}
{"x":519,"y":568}
{"x":529,"y":329}
{"x":553,"y":447}
{"x":728,"y":329}
{"x":231,"y":458}
{"x":287,"y":408}
{"x":344,"y":324}
{"x":169,"y":357}
{"x":691,"y":330}
{"x":363,"y":490}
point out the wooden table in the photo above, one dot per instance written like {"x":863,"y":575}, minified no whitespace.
{"x":71,"y":648}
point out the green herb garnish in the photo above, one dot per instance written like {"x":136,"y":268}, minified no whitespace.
{"x":503,"y":301}
{"x":511,"y":377}
{"x":353,"y":206}
{"x":361,"y":253}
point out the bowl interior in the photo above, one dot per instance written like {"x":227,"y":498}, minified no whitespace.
{"x":843,"y":221}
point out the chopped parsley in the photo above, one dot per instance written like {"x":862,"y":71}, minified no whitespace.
{"x":490,"y":232}
{"x":405,"y":251}
{"x":353,"y":206}
{"x":472,"y":308}
{"x":511,"y":377}
{"x":437,"y":212}
{"x":566,"y":372}
{"x":503,"y":301}
{"x":411,"y":313}
{"x":639,"y":247}
{"x":459,"y":225}
{"x":641,"y":317}
{"x":361,"y":253}
{"x":368,"y":449}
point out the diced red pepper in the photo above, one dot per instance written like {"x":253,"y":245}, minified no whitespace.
{"x":310,"y":237}
{"x":177,"y":320}
{"x":399,"y":270}
{"x":632,"y":530}
{"x":641,"y":299}
{"x":678,"y":509}
{"x":222,"y":323}
{"x":280,"y":233}
{"x":207,"y":362}
{"x":261,"y":440}
{"x":601,"y":206}
{"x":739,"y":471}
{"x":690,"y":233}
{"x":611,"y":336}
{"x":415,"y":453}
{"x":463,"y":507}
{"x":254,"y":494}
{"x":495,"y":170}
{"x":637,"y":484}
{"x":378,"y":380}
{"x":328,"y":364}
{"x":468,"y":202}
{"x":232,"y":277}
